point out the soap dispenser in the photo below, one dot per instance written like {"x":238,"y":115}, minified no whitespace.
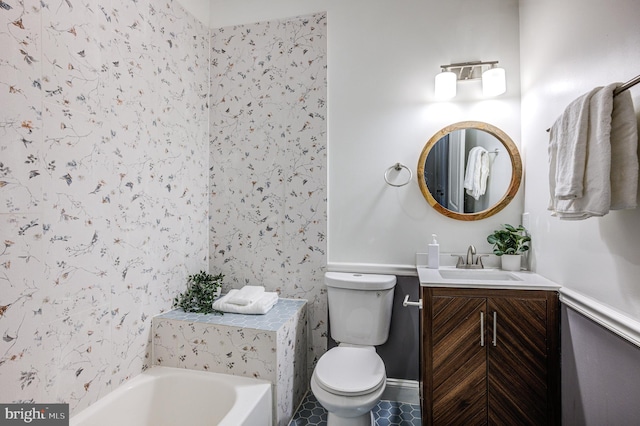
{"x":434,"y":253}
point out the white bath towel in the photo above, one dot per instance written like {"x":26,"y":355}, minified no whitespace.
{"x":247,"y":295}
{"x":624,"y":153}
{"x":595,"y":199}
{"x":568,"y":149}
{"x":475,"y":177}
{"x":259,"y":307}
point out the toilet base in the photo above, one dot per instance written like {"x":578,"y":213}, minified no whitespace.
{"x":364,"y":420}
{"x":347,"y":411}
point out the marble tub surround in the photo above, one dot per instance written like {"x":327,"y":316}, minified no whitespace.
{"x":271,"y":347}
{"x":103,"y":188}
{"x":268,"y":175}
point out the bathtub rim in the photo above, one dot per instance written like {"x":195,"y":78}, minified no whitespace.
{"x":242,"y":409}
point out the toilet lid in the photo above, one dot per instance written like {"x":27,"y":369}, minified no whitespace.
{"x":350,"y":371}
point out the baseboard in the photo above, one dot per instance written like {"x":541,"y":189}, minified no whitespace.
{"x":407,"y":391}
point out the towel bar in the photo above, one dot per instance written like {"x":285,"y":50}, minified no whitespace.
{"x":624,"y":86}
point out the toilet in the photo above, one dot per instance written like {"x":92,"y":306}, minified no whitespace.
{"x":348,"y":380}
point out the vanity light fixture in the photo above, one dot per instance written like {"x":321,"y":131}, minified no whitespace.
{"x":493,"y":78}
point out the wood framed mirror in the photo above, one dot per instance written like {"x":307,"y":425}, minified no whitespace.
{"x":469,"y":170}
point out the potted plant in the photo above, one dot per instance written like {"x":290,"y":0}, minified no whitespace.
{"x":202,"y":289}
{"x":510,"y":243}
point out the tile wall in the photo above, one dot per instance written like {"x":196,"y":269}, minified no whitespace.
{"x":268,"y":150}
{"x":103,"y":187}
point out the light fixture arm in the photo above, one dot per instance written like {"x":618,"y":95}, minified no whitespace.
{"x":469,"y":70}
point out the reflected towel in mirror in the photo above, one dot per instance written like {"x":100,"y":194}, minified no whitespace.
{"x":477,"y":172}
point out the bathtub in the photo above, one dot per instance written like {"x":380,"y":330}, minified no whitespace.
{"x":166,"y":396}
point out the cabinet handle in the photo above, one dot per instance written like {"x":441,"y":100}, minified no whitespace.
{"x":495,"y":327}
{"x":481,"y":328}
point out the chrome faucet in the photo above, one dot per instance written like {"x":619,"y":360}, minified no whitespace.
{"x":470,"y":262}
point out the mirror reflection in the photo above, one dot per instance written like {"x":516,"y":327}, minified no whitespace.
{"x":469,"y":170}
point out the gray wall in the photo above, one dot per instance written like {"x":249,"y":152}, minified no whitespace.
{"x":600,"y":374}
{"x":401,"y":351}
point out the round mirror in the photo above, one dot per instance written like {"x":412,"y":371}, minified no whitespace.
{"x":469,"y":170}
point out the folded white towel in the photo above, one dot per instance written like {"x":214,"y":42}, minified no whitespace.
{"x":595,"y":199}
{"x":259,"y":307}
{"x":475,"y":177}
{"x":624,"y":153}
{"x":568,"y":149}
{"x":246,"y":295}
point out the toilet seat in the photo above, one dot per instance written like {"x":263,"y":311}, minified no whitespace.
{"x":350,"y":371}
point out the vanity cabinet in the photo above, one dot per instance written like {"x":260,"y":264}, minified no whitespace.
{"x":490,"y":357}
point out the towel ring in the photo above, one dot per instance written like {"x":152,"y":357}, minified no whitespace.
{"x":397,"y":167}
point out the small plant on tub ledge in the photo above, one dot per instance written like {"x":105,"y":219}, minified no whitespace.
{"x":202,"y":289}
{"x":510,"y":243}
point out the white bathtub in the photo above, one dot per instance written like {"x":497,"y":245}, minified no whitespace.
{"x":165,"y":396}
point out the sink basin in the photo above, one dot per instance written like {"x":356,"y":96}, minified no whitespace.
{"x":489,"y":278}
{"x":478,"y":274}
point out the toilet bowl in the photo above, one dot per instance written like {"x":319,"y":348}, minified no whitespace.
{"x":349,"y":382}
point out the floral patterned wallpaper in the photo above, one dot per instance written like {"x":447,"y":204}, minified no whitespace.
{"x":268,"y":172}
{"x":105,"y":128}
{"x":103,"y":187}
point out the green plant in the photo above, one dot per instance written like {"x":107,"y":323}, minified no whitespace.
{"x":202,"y":290}
{"x":509,"y":240}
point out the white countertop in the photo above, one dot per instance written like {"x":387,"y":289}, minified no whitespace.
{"x":521,"y":280}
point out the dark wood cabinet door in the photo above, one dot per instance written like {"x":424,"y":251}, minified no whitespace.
{"x":519,"y":360}
{"x":490,"y":357}
{"x":458,"y":368}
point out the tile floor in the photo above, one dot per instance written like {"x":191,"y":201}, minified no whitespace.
{"x":386,"y":413}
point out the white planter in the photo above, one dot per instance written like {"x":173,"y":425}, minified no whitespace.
{"x":511,"y":262}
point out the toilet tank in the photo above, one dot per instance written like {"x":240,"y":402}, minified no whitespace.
{"x":360,"y":307}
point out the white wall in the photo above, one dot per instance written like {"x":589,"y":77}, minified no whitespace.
{"x":597,"y":257}
{"x":382,"y":58}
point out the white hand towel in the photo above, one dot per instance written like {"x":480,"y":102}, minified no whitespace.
{"x":624,"y":153}
{"x":259,"y":307}
{"x":596,"y":194}
{"x":247,"y":295}
{"x":568,"y":149}
{"x":475,"y":177}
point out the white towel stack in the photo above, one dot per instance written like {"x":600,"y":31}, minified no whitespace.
{"x":246,"y":295}
{"x":593,"y":165}
{"x":248,"y":300}
{"x":475,"y":177}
